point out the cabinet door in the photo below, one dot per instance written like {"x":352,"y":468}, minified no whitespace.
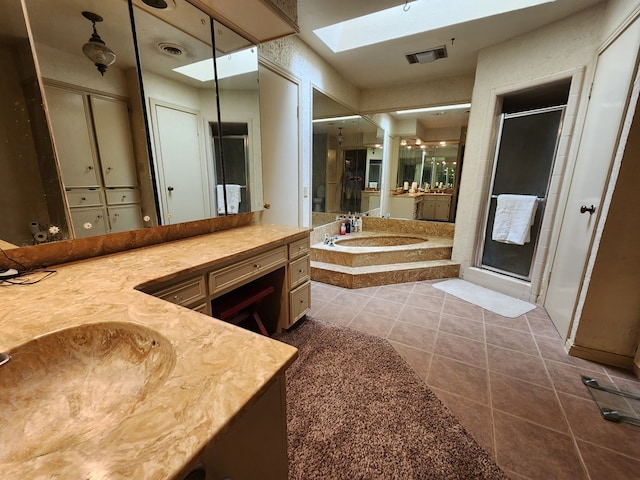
{"x":115,"y":146}
{"x":442,"y":208}
{"x":125,"y":217}
{"x":83,"y":217}
{"x":71,"y":125}
{"x":429,"y":208}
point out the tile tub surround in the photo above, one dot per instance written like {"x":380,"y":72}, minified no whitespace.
{"x":359,"y":267}
{"x":219,"y":368}
{"x":432,"y":248}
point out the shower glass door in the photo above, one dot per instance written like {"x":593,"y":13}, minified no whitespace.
{"x":527,"y":144}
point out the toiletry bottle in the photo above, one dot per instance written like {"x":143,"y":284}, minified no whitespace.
{"x":343,"y":229}
{"x":348,"y":225}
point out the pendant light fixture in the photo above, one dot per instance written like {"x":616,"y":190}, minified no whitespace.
{"x":95,"y":49}
{"x":340,"y":136}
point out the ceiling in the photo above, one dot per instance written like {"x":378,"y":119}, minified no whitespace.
{"x":384,"y":64}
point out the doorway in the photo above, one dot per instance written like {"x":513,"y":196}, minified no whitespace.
{"x":354,"y":166}
{"x":527,"y":144}
{"x":235,"y":139}
{"x":182,"y":171}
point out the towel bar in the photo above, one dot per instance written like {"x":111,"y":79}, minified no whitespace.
{"x":540,"y":199}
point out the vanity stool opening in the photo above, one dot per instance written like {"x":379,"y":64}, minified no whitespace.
{"x":238,"y":308}
{"x":255,"y":306}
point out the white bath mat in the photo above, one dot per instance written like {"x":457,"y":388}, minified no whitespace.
{"x":483,"y":297}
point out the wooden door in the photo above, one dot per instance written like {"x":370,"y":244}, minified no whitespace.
{"x":603,"y":124}
{"x":181,"y":170}
{"x":280,"y":148}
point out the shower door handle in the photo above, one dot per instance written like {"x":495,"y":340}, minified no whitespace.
{"x":585,"y":209}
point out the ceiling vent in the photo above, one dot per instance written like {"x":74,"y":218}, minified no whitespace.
{"x":427,"y":56}
{"x":172,"y":49}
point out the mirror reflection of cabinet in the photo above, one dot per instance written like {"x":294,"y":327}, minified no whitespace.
{"x":95,"y":151}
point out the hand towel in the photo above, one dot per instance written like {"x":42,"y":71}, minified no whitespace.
{"x":514,"y":217}
{"x":233,"y":199}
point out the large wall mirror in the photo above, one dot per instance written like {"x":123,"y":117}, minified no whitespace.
{"x":130,"y":154}
{"x":347,"y":160}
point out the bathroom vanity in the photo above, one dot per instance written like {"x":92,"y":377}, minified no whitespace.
{"x":420,"y":206}
{"x":220,"y":403}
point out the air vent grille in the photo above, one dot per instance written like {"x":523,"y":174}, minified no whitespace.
{"x":172,"y":49}
{"x":427,"y":56}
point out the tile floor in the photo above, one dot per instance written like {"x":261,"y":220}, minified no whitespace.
{"x":508,"y":380}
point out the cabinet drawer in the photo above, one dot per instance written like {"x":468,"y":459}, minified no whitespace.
{"x":299,"y":271}
{"x":202,"y":308}
{"x":299,"y":302}
{"x":298,"y":248}
{"x":243,"y":272}
{"x":122,"y":195}
{"x":185,"y":292}
{"x":84,"y":198}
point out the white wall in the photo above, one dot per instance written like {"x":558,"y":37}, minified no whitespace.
{"x":295,"y":60}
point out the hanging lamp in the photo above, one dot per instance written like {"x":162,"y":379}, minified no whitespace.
{"x":95,"y":49}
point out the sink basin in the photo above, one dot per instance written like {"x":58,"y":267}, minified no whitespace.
{"x":70,"y":385}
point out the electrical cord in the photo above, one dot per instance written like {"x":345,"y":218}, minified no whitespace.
{"x":24,"y":275}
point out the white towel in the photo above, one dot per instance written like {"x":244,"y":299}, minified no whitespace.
{"x":233,"y":199}
{"x":514,"y":217}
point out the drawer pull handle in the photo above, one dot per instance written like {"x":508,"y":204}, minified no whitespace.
{"x":177,"y":297}
{"x":300,"y":271}
{"x":257,"y":265}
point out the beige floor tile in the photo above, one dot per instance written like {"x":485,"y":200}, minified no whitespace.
{"x":530,"y":402}
{"x":519,"y":365}
{"x":459,"y":378}
{"x":412,"y":335}
{"x":463,"y":327}
{"x":534,"y":451}
{"x":419,"y":316}
{"x":461,"y":349}
{"x":512,"y":339}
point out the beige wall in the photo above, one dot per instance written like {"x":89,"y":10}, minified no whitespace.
{"x":564,"y":49}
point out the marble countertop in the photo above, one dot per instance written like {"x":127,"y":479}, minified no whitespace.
{"x":418,"y":194}
{"x":219,"y":368}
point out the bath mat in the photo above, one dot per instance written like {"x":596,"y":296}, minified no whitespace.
{"x":356,"y":410}
{"x":483,"y":297}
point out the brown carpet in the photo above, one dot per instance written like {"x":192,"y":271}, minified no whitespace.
{"x":356,"y":410}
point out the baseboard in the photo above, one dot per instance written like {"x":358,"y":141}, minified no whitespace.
{"x":607,"y":358}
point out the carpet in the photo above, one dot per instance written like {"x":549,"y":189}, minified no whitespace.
{"x":483,"y":297}
{"x":356,"y":410}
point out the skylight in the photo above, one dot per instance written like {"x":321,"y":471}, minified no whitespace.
{"x":243,"y":61}
{"x":415,"y":17}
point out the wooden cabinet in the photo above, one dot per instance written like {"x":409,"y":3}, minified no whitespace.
{"x":113,"y":137}
{"x":89,"y":221}
{"x":95,"y":151}
{"x":285,"y":268}
{"x":405,"y":206}
{"x":370,"y":200}
{"x":299,"y":280}
{"x":73,"y":136}
{"x":436,"y":207}
{"x":255,"y":445}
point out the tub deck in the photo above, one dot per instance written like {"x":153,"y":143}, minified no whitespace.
{"x":382,"y":258}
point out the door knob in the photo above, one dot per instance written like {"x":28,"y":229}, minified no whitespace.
{"x":267,"y":206}
{"x":585,"y":209}
{"x":170,"y":189}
